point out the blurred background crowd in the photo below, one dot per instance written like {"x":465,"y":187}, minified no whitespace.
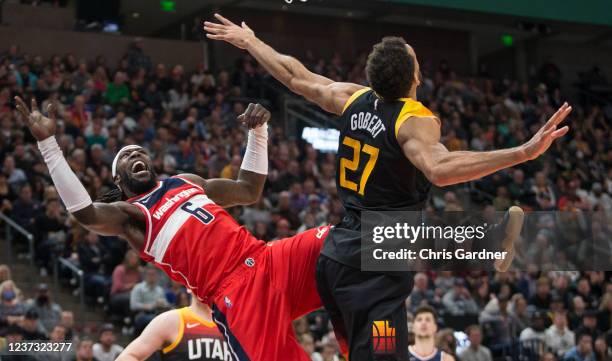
{"x":186,"y":118}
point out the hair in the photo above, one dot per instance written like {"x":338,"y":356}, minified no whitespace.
{"x":390,"y":68}
{"x":126,"y":258}
{"x":473,"y":328}
{"x":114,"y":195}
{"x":5,"y":273}
{"x":6,"y":284}
{"x":582,"y":334}
{"x":426,"y":309}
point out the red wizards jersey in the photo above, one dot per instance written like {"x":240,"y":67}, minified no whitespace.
{"x":195,"y":241}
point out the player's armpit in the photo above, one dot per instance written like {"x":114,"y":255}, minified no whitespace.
{"x":107,"y":219}
{"x":160,"y":332}
{"x":419,"y":138}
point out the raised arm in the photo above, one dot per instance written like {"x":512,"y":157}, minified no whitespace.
{"x":420,"y":141}
{"x":329,"y":95}
{"x":105,"y":219}
{"x":247,"y":188}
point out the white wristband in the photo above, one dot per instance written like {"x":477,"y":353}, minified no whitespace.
{"x":70,"y":189}
{"x":256,"y":154}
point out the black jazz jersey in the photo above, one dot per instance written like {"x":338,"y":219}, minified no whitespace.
{"x":372,"y":172}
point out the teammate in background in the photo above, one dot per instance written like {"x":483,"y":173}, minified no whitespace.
{"x":424,"y":328}
{"x":389,"y":155}
{"x":187,"y":333}
{"x":254,"y":289}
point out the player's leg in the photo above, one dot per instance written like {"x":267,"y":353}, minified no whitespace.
{"x":293,"y":268}
{"x":255,"y":317}
{"x":324,"y":286}
{"x":371,"y":306}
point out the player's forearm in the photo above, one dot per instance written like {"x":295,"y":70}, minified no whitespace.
{"x":127,"y":356}
{"x":250,"y":185}
{"x":465,"y":166}
{"x":71,"y":191}
{"x":284,"y":68}
{"x":254,"y":167}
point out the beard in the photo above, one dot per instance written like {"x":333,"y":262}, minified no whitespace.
{"x":135,"y":186}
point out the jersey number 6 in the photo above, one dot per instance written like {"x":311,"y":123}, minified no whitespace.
{"x":201,"y":214}
{"x":353,"y":164}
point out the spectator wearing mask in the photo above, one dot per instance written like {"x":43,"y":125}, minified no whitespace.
{"x":559,"y":339}
{"x":458,"y":301}
{"x":106,"y":349}
{"x":147,"y":300}
{"x":583,"y":351}
{"x":476,"y":351}
{"x":11,"y":309}
{"x":49,"y":312}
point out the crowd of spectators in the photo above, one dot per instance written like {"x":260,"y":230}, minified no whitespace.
{"x":186,"y":118}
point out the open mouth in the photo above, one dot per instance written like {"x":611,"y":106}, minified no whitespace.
{"x":139,"y":166}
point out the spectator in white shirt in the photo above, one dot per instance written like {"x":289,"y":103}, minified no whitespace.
{"x":536,"y":330}
{"x":106,"y":349}
{"x":559,"y":339}
{"x":476,"y":351}
{"x":147,"y":299}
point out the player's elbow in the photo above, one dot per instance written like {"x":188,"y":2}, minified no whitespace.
{"x":438,"y":176}
{"x":251,"y":197}
{"x":250,"y":194}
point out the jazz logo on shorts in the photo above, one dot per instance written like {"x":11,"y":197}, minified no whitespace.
{"x":383,"y":337}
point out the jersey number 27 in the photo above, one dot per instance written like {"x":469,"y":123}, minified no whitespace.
{"x":353,"y":164}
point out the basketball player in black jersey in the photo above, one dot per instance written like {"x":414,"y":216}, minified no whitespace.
{"x":388,"y":157}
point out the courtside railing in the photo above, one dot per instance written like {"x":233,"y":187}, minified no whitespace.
{"x":76,"y":272}
{"x":10,"y":227}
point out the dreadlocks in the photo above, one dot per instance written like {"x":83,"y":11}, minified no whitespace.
{"x":114,"y":195}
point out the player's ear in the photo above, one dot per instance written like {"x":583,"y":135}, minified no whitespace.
{"x":117,"y":182}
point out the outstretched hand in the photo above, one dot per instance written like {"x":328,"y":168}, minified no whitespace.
{"x":542,"y":140}
{"x":239,"y":36}
{"x":254,"y":116}
{"x":40,"y":126}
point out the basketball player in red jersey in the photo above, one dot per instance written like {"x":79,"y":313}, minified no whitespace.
{"x":187,"y":333}
{"x":389,"y":155}
{"x":254,"y":289}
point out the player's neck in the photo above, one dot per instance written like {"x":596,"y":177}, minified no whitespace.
{"x":201,"y":310}
{"x":413,"y":93}
{"x":424,"y":346}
